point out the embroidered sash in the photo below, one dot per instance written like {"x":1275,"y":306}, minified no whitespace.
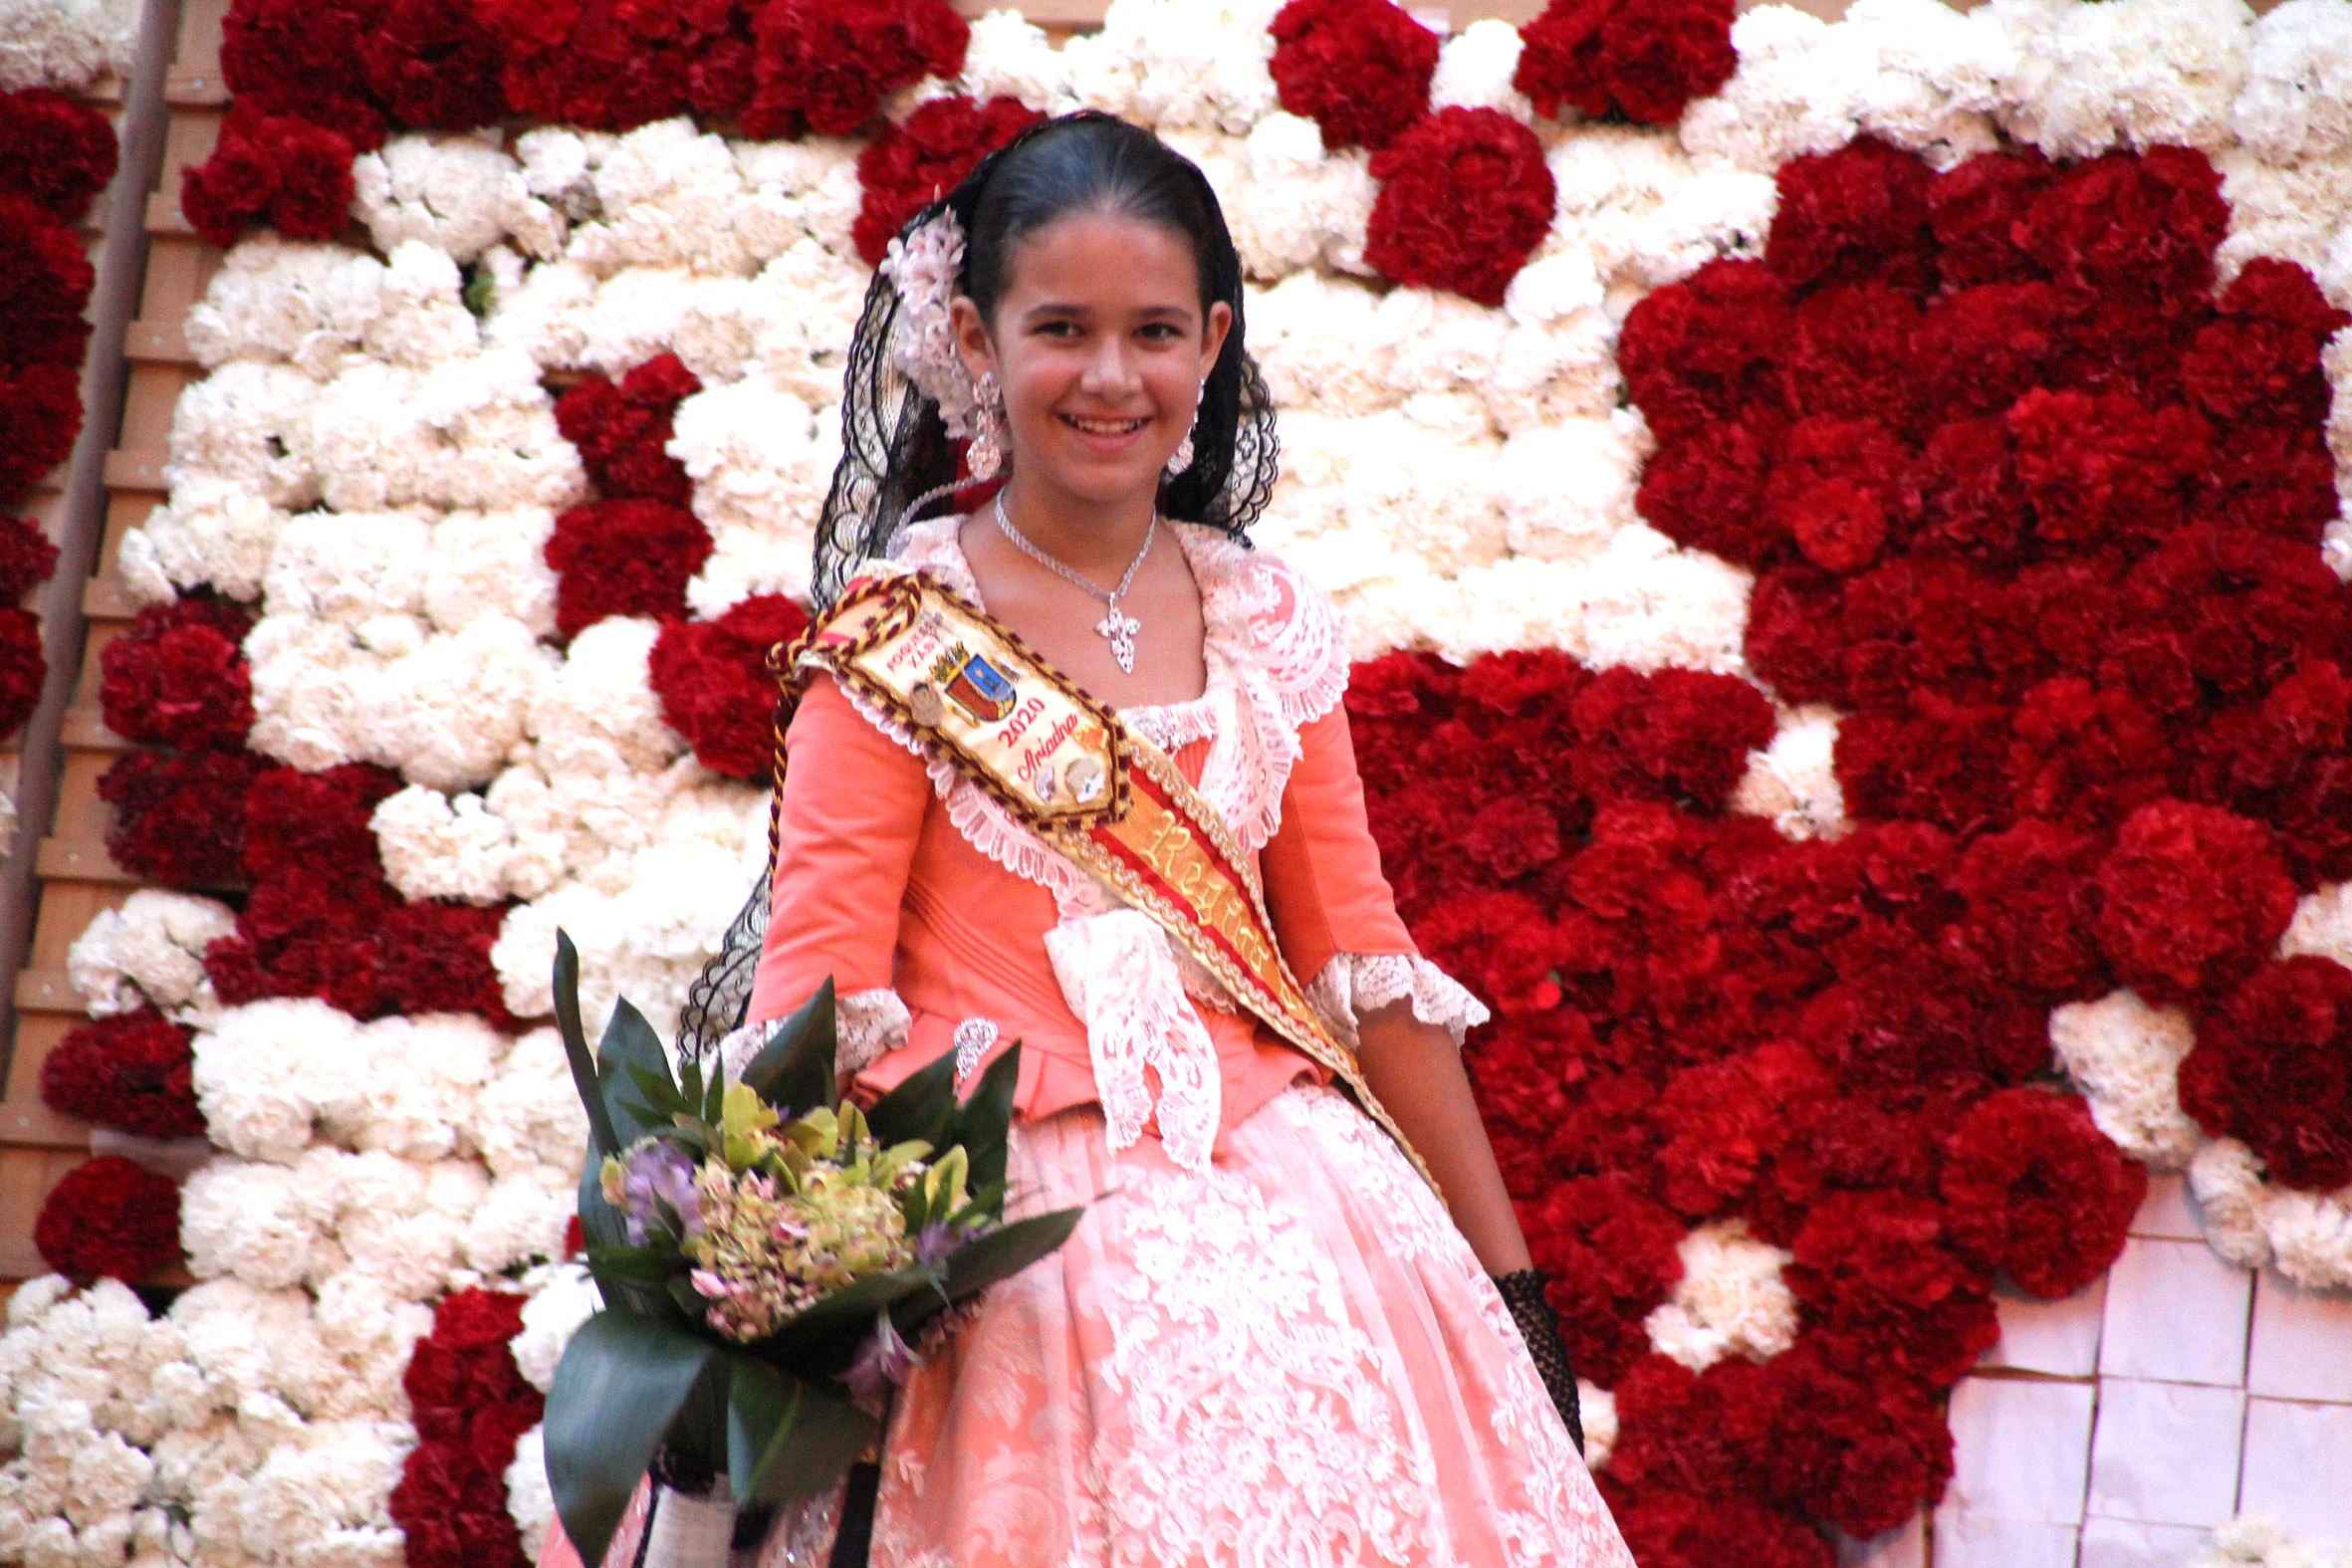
{"x":1065,"y":766}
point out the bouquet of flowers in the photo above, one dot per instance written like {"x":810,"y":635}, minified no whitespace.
{"x":766,"y":1253}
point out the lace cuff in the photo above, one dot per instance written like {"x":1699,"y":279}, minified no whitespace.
{"x":1354,"y":984}
{"x":865,"y":1024}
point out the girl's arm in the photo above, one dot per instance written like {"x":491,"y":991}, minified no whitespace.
{"x":1416,"y":1071}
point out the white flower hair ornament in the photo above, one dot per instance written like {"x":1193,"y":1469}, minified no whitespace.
{"x":923,"y":267}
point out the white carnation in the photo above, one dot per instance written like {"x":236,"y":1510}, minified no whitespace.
{"x":1317,"y":345}
{"x":451,"y":714}
{"x":666,"y":197}
{"x":816,"y":177}
{"x":1800,"y":87}
{"x":528,"y":1497}
{"x":530,"y":1115}
{"x":1649,"y":604}
{"x":802,"y":311}
{"x":307,"y":304}
{"x":565,"y":1298}
{"x":423,"y":1074}
{"x":458,"y":194}
{"x":403,"y":1222}
{"x":1729,"y":1301}
{"x":1179,"y":63}
{"x":2227,"y":1179}
{"x":599,"y":715}
{"x":106,"y":1477}
{"x":556,"y":165}
{"x":1938,"y":77}
{"x":521,"y":1218}
{"x":212,"y":530}
{"x":1793,"y":781}
{"x":2129,"y":72}
{"x":484,"y":564}
{"x":1009,"y":57}
{"x":264,"y":1073}
{"x":312,"y":680}
{"x":262,"y":1224}
{"x":2125,"y":1056}
{"x":2310,"y":1236}
{"x":435,"y":845}
{"x":247,"y":426}
{"x":1298,"y":206}
{"x":65,"y":44}
{"x":1562,"y":489}
{"x":545,"y":317}
{"x":149,"y":953}
{"x":1596,"y":1407}
{"x":2297,"y":98}
{"x":760,"y":461}
{"x":1474,"y":68}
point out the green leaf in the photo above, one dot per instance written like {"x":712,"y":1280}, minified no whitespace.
{"x":631,"y":1045}
{"x":983,"y":1120}
{"x":607,"y":1140}
{"x":825,"y":1336}
{"x":632,"y":1262}
{"x":659,"y":1099}
{"x":794,"y":1069}
{"x":621,"y":1383}
{"x":921,"y":1107}
{"x":785,"y":1439}
{"x":998,"y":1256}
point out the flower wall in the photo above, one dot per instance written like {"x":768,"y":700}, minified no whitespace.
{"x":1840,"y":525}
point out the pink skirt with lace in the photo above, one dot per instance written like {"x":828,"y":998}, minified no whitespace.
{"x":1292,"y":1361}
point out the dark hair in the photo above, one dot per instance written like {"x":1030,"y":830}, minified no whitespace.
{"x":894,"y":446}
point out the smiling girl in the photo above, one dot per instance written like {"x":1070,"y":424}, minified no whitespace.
{"x":1297,"y":1325}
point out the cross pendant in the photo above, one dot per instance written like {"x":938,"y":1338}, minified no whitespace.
{"x":1121,"y":630}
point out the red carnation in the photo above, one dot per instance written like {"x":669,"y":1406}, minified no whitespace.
{"x":2191,"y":899}
{"x":2277,"y":478}
{"x":2136,"y":226}
{"x":1976,"y":350}
{"x":44,"y":279}
{"x":2035,"y":1190}
{"x":1679,"y":735}
{"x":432,"y":64}
{"x":109,"y":1217}
{"x":1611,"y":1255}
{"x":1644,"y":59}
{"x":436,"y":959}
{"x":2033,"y":900}
{"x":623,"y":558}
{"x":1704,"y":350}
{"x":1465,"y":198}
{"x":1960,"y":495}
{"x":1856,"y":215}
{"x":315,"y":826}
{"x":2086,"y":755}
{"x":715,"y":686}
{"x":1877,"y":1274}
{"x":290,"y":173}
{"x":1360,"y":69}
{"x":470,"y":1319}
{"x":23,"y":669}
{"x":1722,"y":1120}
{"x":179,"y":820}
{"x":825,"y":65}
{"x":307,"y":937}
{"x":1833,"y":489}
{"x":27,"y":558}
{"x":178,"y":677}
{"x":301,"y":59}
{"x":452,"y":1510}
{"x":2105,"y":470}
{"x":1667,"y":1528}
{"x":1500,"y":944}
{"x":926,"y":155}
{"x":1704,"y":489}
{"x":1943,"y":763}
{"x":1864,"y":1450}
{"x":612,"y":66}
{"x":1851,"y":355}
{"x":2225,"y":611}
{"x":130,"y":1071}
{"x":2260,"y":361}
{"x":40,"y":414}
{"x":624,"y":429}
{"x":2272,"y":1066}
{"x":53,"y":151}
{"x":1974,"y":209}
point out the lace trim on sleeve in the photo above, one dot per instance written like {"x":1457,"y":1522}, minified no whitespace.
{"x":865,"y":1024}
{"x":1354,"y":984}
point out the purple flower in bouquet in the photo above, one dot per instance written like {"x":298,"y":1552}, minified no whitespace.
{"x":881,"y":1364}
{"x":658,"y":1175}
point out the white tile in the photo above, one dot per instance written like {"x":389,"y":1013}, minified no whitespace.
{"x":2126,"y":1543}
{"x":2059,"y":1337}
{"x":2020,"y":1449}
{"x":2295,"y":1460}
{"x":2302,"y":1342}
{"x":2166,"y":1452}
{"x":2175,"y":1312}
{"x":1968,"y":1540}
{"x":1905,"y":1546}
{"x":2168,"y":1210}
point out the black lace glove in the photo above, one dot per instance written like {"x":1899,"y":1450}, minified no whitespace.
{"x":1522,"y":1292}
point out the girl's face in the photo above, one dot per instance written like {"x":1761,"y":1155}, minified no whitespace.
{"x":1101,"y":346}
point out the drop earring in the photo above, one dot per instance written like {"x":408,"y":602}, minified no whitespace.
{"x":985,"y":455}
{"x":1181,"y":459}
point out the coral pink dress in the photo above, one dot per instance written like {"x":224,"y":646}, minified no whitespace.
{"x":1265,"y":1344}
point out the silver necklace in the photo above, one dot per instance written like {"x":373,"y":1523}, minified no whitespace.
{"x":1117,"y":627}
